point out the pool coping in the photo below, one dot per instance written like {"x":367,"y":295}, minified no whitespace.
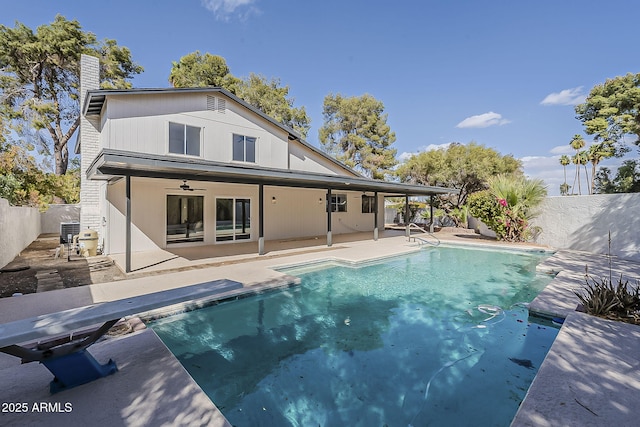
{"x":590,"y":375}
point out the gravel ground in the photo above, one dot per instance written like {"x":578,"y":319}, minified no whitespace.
{"x":19,"y":276}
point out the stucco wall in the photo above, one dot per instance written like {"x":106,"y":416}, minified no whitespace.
{"x":583,"y":223}
{"x":55,"y":214}
{"x":19,"y":226}
{"x":288,"y":212}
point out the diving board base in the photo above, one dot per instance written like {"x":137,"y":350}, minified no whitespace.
{"x":76,"y":369}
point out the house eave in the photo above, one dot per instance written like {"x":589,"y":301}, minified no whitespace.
{"x":113,"y":163}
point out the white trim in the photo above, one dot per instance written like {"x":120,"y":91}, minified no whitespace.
{"x":168,"y":142}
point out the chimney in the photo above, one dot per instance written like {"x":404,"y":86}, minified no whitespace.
{"x":89,"y":138}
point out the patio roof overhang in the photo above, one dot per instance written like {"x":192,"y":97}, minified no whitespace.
{"x":112,"y":163}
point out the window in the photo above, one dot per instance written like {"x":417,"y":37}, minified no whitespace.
{"x":185,"y":219}
{"x":233,"y":219}
{"x":244,"y":148}
{"x":368,"y":204}
{"x":338,"y":203}
{"x":184,"y":139}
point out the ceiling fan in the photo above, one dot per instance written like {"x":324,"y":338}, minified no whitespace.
{"x":185,"y":187}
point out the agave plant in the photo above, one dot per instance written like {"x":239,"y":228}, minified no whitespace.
{"x":617,"y":302}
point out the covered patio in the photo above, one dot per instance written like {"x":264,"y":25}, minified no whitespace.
{"x":114,"y":165}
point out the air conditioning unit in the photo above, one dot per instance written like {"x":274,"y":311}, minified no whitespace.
{"x":68,"y":230}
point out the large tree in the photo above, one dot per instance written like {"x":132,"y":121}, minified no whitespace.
{"x":273,"y":99}
{"x":267,"y":95}
{"x":612,"y":110}
{"x":39,"y":79}
{"x":595,"y":154}
{"x":627,"y":179}
{"x":201,"y":70}
{"x":466,"y":167}
{"x":356,"y":132}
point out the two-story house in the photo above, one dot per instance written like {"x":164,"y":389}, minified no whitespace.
{"x":164,"y":168}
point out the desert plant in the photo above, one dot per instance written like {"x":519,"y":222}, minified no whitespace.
{"x":601,"y":298}
{"x":508,"y":205}
{"x":617,"y":302}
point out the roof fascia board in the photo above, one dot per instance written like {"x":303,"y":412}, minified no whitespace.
{"x":117,"y":162}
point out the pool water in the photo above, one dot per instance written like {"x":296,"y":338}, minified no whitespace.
{"x":438,"y":337}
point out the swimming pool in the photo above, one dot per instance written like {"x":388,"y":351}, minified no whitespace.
{"x":438,"y":337}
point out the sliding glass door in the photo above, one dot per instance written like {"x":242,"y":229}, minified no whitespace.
{"x":185,"y":219}
{"x":233,"y":219}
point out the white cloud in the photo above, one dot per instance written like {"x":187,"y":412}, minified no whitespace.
{"x":223,"y":9}
{"x":572,"y":96}
{"x":562,"y":149}
{"x":547,"y":169}
{"x":404,"y":156}
{"x":483,"y":121}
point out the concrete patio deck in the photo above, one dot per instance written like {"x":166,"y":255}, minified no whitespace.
{"x":591,"y":366}
{"x":591,"y":375}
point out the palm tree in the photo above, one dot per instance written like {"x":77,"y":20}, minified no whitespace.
{"x":583,"y":158}
{"x":577,"y":143}
{"x":520,"y":193}
{"x":564,"y":161}
{"x":597,"y":152}
{"x":575,"y":159}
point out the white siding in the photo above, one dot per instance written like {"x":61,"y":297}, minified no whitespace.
{"x":302,"y":158}
{"x":139,"y":123}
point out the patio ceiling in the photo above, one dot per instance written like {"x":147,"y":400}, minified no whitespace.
{"x":112,"y":163}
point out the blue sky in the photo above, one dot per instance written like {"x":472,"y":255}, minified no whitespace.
{"x":503,"y":73}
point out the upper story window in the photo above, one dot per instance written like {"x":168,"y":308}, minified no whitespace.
{"x":244,"y":148}
{"x":184,"y":139}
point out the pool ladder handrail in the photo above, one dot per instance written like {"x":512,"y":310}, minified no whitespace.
{"x":421,"y":240}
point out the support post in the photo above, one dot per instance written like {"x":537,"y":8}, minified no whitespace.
{"x":329,"y":209}
{"x":406,"y":216}
{"x":261,"y":219}
{"x":375,"y":216}
{"x":431,"y":214}
{"x":127,"y":250}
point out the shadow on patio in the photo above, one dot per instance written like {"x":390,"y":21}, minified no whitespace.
{"x":185,"y":258}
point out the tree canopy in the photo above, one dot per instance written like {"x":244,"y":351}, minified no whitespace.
{"x":627,"y":179}
{"x":612,"y":110}
{"x":22,"y":182}
{"x":39,"y":79}
{"x":356,"y":132}
{"x":201,"y":70}
{"x":466,"y":167}
{"x":267,"y":95}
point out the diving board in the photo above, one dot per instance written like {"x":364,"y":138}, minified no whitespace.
{"x":66,"y":357}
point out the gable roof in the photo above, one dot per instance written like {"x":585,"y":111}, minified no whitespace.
{"x":95,"y":99}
